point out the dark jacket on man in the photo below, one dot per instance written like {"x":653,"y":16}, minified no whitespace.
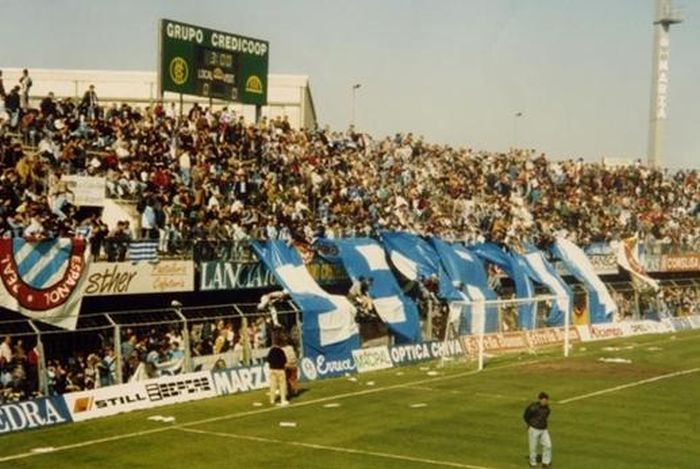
{"x":276,"y":358}
{"x":48,"y":107}
{"x":536,"y":415}
{"x":89,"y":100}
{"x":12,"y":101}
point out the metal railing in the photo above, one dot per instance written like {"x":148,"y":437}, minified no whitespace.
{"x":119,"y":346}
{"x":116,"y":347}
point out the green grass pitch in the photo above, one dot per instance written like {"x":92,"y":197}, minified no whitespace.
{"x":638,"y":415}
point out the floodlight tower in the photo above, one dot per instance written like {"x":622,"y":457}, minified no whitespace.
{"x":665,"y":16}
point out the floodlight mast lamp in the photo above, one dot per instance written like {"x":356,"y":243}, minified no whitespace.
{"x":355,"y":87}
{"x":516,"y":116}
{"x":665,"y":16}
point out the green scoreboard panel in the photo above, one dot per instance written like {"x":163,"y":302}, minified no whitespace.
{"x":213,"y":64}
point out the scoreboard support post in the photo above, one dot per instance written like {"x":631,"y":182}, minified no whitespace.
{"x":258,"y":113}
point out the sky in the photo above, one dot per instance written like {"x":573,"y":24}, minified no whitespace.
{"x":454,"y":71}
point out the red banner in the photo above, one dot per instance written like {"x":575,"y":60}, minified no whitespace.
{"x":519,"y":340}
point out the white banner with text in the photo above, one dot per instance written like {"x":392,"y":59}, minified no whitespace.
{"x":128,"y":278}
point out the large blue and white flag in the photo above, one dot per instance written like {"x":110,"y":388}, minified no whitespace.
{"x":515,"y":268}
{"x":602,"y":307}
{"x":468,"y":275}
{"x":544,"y":273}
{"x":329,"y":327}
{"x":365,"y":257}
{"x":416,"y":259}
{"x":43,"y":280}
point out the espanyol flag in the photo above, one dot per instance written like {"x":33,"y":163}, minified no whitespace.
{"x":628,"y":259}
{"x":43,"y":280}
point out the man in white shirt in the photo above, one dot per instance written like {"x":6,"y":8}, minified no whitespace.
{"x":35,"y":229}
{"x":185,"y":163}
{"x":6,"y":352}
{"x":25,"y":84}
{"x":268,"y":301}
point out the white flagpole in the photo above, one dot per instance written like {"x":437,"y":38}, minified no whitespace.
{"x":567,"y":321}
{"x":481,"y":314}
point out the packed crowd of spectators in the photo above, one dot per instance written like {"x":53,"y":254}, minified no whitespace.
{"x":211,"y":175}
{"x":146,"y":352}
{"x":19,"y":370}
{"x":680,"y":301}
{"x":625,"y":302}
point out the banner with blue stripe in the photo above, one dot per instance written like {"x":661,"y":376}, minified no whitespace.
{"x":329,"y":328}
{"x":468,"y":275}
{"x":544,"y":273}
{"x":143,"y":251}
{"x":365,"y":257}
{"x":415,"y":258}
{"x":515,"y":268}
{"x":43,"y":280}
{"x":602,"y":307}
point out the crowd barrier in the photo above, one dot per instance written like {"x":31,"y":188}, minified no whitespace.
{"x":35,"y":413}
{"x":623,"y":329}
{"x":85,"y":405}
{"x":102,"y":402}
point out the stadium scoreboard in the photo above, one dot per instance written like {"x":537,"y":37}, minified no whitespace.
{"x":213,"y":64}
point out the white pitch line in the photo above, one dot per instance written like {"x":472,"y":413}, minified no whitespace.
{"x":426,"y":388}
{"x":496,"y":396}
{"x":421,"y":388}
{"x":336,"y":449}
{"x":630,"y":385}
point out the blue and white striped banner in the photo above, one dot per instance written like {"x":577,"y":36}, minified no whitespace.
{"x":514,"y":266}
{"x":543,"y":272}
{"x":602,"y":306}
{"x":329,"y":328}
{"x":365,"y":257}
{"x":468,"y":274}
{"x":143,"y":251}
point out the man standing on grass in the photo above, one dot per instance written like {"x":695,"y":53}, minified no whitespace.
{"x":536,"y":415}
{"x":277,"y":360}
